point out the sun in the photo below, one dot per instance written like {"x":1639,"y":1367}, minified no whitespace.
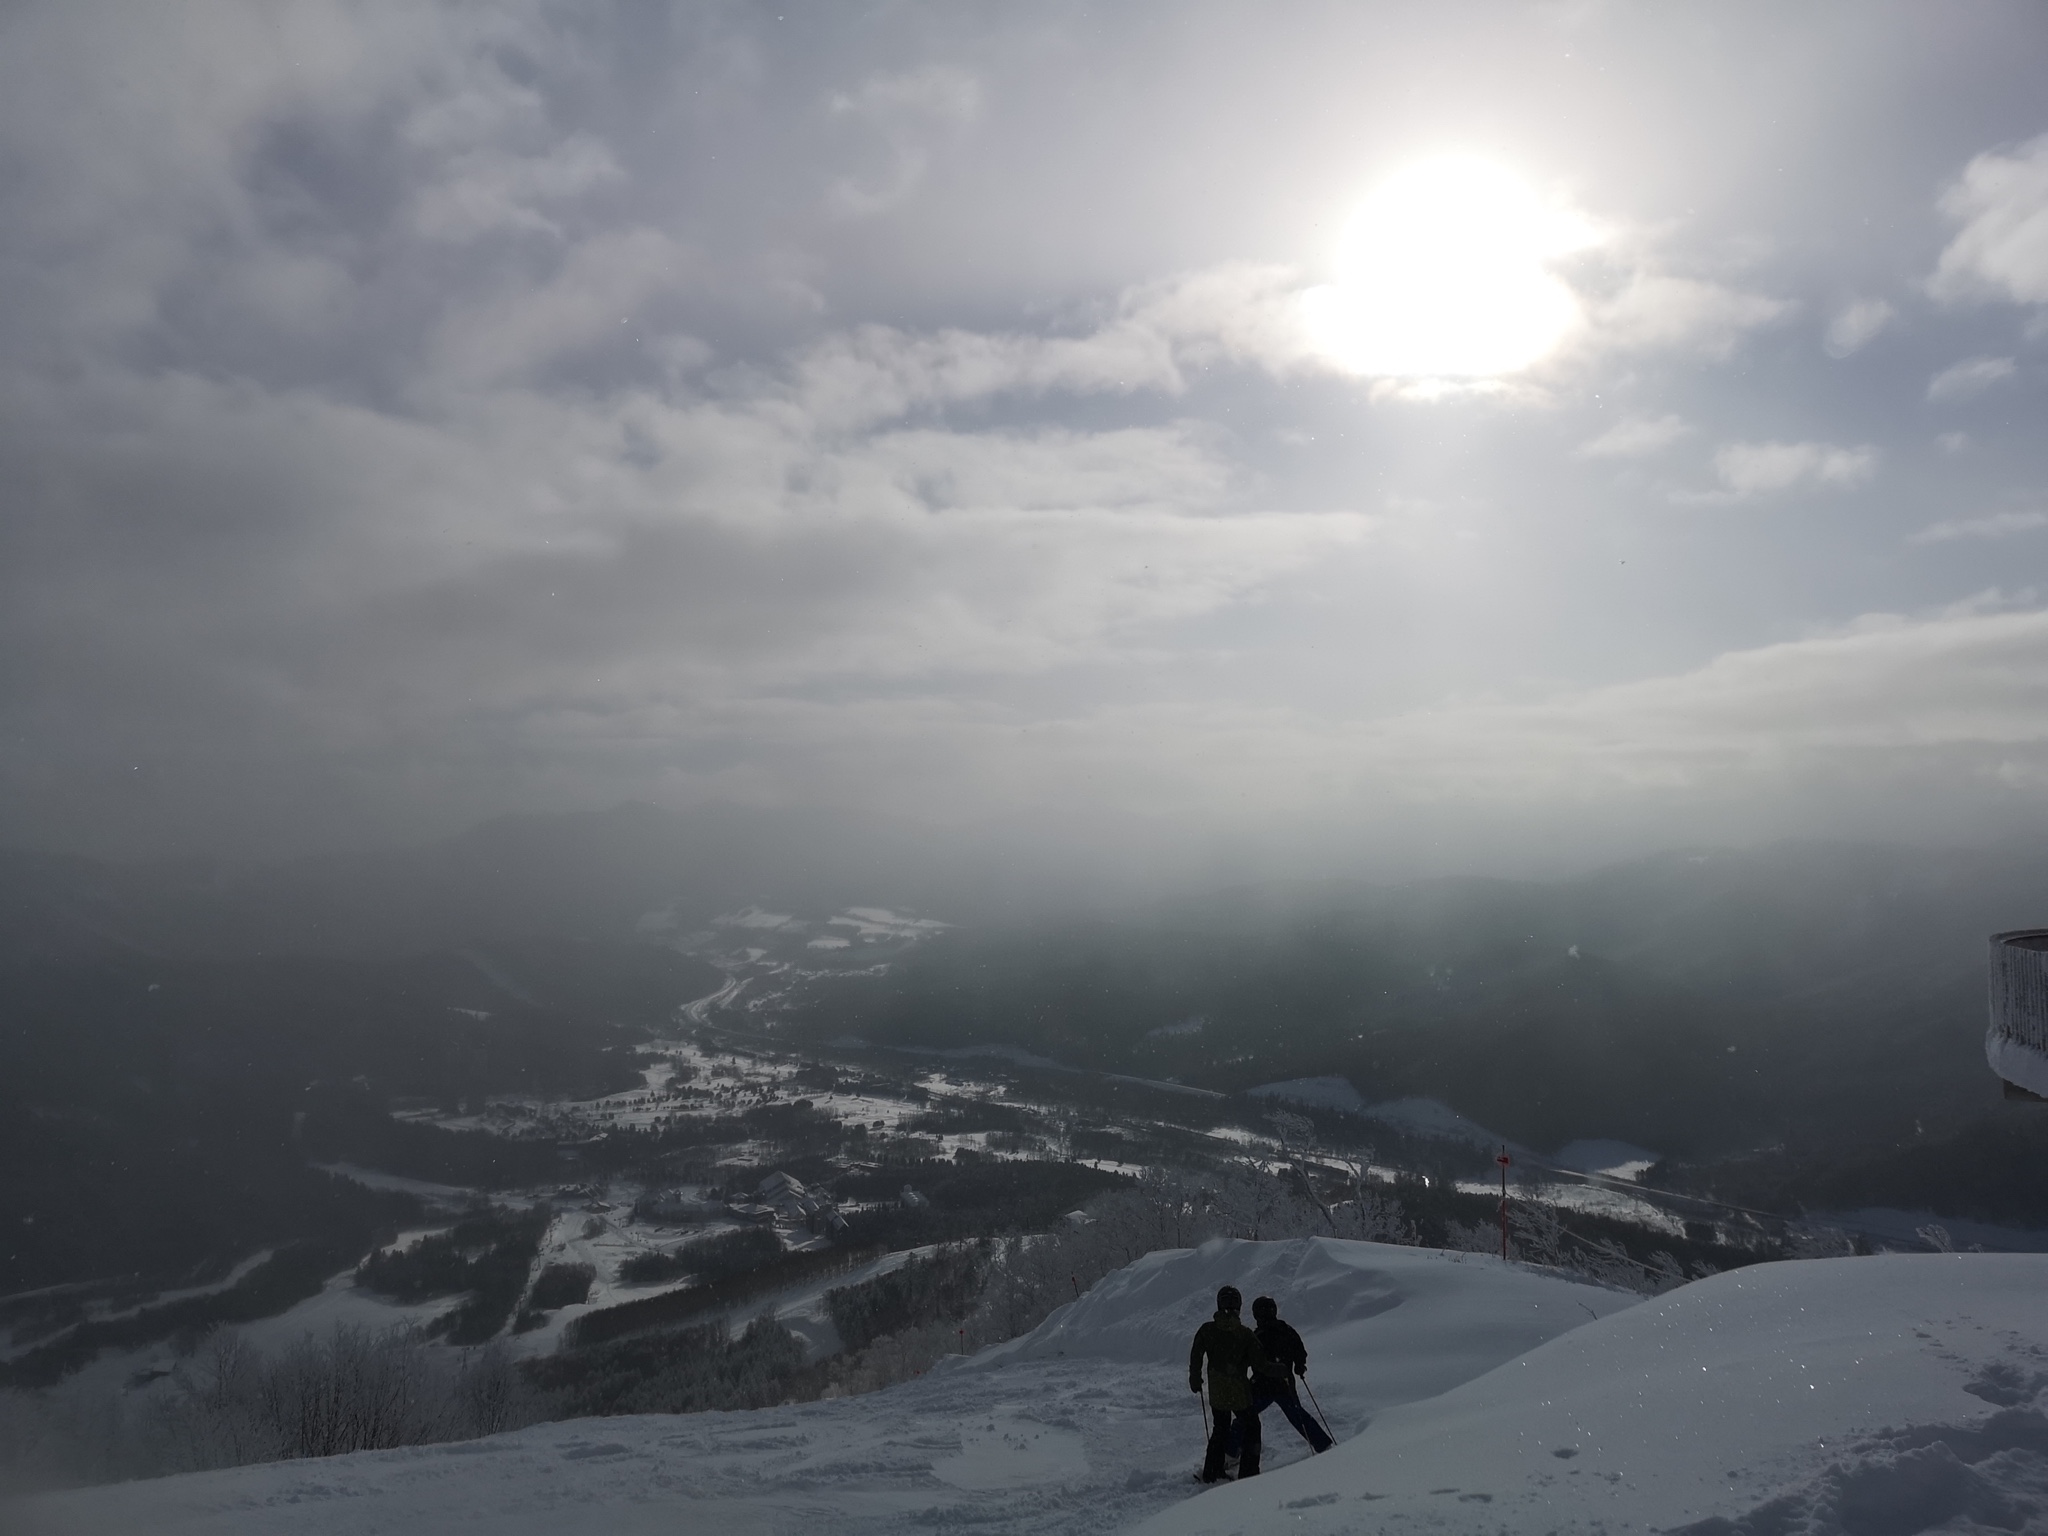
{"x":1444,"y":272}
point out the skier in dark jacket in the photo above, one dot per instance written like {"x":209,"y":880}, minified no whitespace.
{"x":1234,"y":1357}
{"x":1283,"y":1345}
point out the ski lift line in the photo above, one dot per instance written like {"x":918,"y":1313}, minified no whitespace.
{"x":1600,"y":1247}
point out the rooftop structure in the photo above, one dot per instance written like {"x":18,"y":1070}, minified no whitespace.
{"x":2016,"y":1044}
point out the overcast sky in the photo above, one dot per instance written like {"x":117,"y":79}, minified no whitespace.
{"x":1400,"y":435}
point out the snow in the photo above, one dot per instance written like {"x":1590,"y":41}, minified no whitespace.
{"x":1831,"y":1396}
{"x":1890,"y":1225}
{"x":801,"y":1309}
{"x":1012,"y":1452}
{"x":881,"y":923}
{"x":1592,"y":1199}
{"x":2016,"y":1062}
{"x":754,"y":917}
{"x":101,"y":1311}
{"x":340,"y":1302}
{"x":1083,"y":1425}
{"x":1385,"y":1324}
{"x":1613,"y":1159}
{"x":1841,"y":1397}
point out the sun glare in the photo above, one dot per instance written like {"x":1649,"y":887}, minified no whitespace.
{"x":1444,"y":273}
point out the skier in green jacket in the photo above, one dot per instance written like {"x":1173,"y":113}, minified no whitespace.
{"x":1234,"y":1357}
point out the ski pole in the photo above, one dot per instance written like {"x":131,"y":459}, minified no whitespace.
{"x":1206,"y":1431}
{"x":1318,"y":1406}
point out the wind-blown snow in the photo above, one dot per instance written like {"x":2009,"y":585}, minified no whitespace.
{"x":1083,"y":1425}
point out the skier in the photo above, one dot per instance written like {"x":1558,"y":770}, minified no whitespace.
{"x":1234,"y":1356}
{"x":1282,"y":1344}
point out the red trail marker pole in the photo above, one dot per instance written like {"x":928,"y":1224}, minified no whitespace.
{"x":1503,"y":1160}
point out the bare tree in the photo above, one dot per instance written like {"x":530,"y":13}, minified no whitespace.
{"x":1375,"y":1215}
{"x":1297,"y":1140}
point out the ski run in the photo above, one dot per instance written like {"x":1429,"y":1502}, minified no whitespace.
{"x":1865,"y":1396}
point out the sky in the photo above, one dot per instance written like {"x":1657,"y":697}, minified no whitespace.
{"x":1331,"y":436}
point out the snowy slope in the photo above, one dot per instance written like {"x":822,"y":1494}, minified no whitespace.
{"x":1384,"y":1325}
{"x":1850,"y":1397}
{"x":1856,"y":1396}
{"x":1083,"y":1425}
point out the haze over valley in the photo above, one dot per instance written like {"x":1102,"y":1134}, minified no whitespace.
{"x":736,"y":739}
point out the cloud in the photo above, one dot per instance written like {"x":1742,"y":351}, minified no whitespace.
{"x":485,"y":191}
{"x":1681,"y":314}
{"x":1955,"y":697}
{"x":1856,"y":325}
{"x":1237,"y":312}
{"x":1158,"y":334}
{"x":1262,"y":315}
{"x":1999,"y":525}
{"x":907,"y":117}
{"x":1757,"y":469}
{"x":412,"y":412}
{"x":594,"y":291}
{"x":1970,"y":377}
{"x":1837,"y":733}
{"x":488,"y":157}
{"x":1635,"y":437}
{"x":877,"y":373}
{"x":2001,"y":249}
{"x":598,"y":583}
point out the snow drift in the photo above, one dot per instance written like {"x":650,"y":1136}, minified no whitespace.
{"x":1865,"y":1397}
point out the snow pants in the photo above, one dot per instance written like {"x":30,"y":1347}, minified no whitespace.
{"x":1235,"y":1429}
{"x":1266,"y":1393}
{"x":1283,"y":1393}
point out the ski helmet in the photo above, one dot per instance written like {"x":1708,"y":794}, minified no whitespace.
{"x":1229,"y":1299}
{"x":1264,"y":1307}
